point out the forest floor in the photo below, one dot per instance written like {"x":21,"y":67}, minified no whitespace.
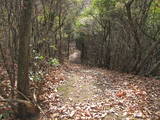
{"x":77,"y":92}
{"x":89,"y":93}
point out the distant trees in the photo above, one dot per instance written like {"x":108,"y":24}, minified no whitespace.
{"x":122,"y":35}
{"x":51,"y":18}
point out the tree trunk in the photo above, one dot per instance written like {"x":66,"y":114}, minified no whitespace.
{"x":23,"y":58}
{"x":60,"y":33}
{"x":68,"y":46}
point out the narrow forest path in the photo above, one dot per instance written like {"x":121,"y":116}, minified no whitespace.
{"x":79,"y":87}
{"x":89,"y":93}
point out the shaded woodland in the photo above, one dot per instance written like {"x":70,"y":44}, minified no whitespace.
{"x":38,"y":37}
{"x":121,"y":36}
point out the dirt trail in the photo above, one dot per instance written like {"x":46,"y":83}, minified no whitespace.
{"x":82,"y":97}
{"x":75,"y":57}
{"x":80,"y":86}
{"x":96,"y":94}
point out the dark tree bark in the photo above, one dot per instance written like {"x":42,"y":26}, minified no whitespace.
{"x":60,"y":33}
{"x":23,"y":59}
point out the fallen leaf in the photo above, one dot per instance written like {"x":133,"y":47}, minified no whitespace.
{"x":121,"y":94}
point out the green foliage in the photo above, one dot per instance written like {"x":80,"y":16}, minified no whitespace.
{"x":153,"y":20}
{"x":5,"y":115}
{"x":54,"y":47}
{"x":103,"y":5}
{"x":78,"y":24}
{"x":54,"y":62}
{"x":1,"y":116}
{"x":155,"y":12}
{"x":47,"y":16}
{"x":41,"y":18}
{"x":87,"y":11}
{"x":37,"y":76}
{"x":40,"y":57}
{"x":119,"y":5}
